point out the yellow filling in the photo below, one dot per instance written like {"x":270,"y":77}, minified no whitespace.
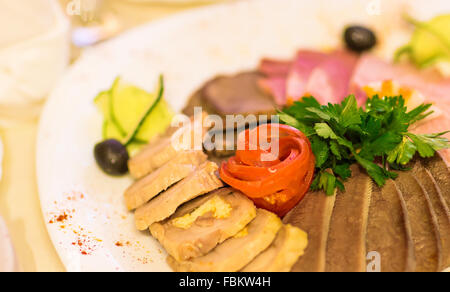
{"x":242,"y":233}
{"x":216,"y":205}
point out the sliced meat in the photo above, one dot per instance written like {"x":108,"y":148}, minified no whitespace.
{"x":313,"y":215}
{"x":273,"y":68}
{"x":240,"y":94}
{"x":423,"y":223}
{"x":276,"y":86}
{"x":371,"y":69}
{"x":142,"y":191}
{"x":164,"y":149}
{"x":236,"y":252}
{"x":441,"y":173}
{"x":330,"y":81}
{"x":200,"y":225}
{"x":424,"y":177}
{"x":389,"y":230}
{"x":346,"y":247}
{"x":283,"y":253}
{"x":303,"y":66}
{"x":200,"y":182}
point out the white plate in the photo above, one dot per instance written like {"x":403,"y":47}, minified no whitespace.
{"x":189,"y":49}
{"x":8,"y":262}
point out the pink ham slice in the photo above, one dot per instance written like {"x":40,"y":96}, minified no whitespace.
{"x":302,"y":68}
{"x":326,"y":76}
{"x":370,"y":69}
{"x":276,"y":86}
{"x":272,"y":68}
{"x":431,"y":84}
{"x":329,"y":81}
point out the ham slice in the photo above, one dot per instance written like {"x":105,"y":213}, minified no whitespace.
{"x":371,"y":69}
{"x":302,"y":68}
{"x":329,"y":82}
{"x":326,"y":76}
{"x":273,"y":68}
{"x":275,"y":86}
{"x":432,"y":85}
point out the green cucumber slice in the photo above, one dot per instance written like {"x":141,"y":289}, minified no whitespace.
{"x":103,"y":101}
{"x":147,"y":113}
{"x":132,"y":115}
{"x":431,"y":41}
{"x":110,"y":131}
{"x":130,"y":107}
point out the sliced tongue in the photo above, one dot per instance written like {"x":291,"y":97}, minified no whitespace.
{"x":389,"y":231}
{"x":424,"y":226}
{"x":346,"y":248}
{"x":438,"y":204}
{"x":313,"y":215}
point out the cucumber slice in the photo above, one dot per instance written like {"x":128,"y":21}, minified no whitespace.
{"x":156,"y":122}
{"x":102,"y":102}
{"x":110,"y":131}
{"x":132,"y":115}
{"x":130,"y":104}
{"x":431,"y":41}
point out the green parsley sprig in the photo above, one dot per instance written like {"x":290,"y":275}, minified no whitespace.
{"x":375,"y":136}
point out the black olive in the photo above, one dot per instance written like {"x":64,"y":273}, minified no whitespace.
{"x":112,"y":157}
{"x":359,"y":39}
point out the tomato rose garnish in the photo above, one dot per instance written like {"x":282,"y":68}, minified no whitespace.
{"x":273,"y":166}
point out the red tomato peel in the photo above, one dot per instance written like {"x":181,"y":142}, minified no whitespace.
{"x":277,"y":185}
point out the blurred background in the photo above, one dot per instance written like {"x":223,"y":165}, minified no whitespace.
{"x":43,"y":37}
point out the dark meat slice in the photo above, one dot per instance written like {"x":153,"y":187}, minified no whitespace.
{"x":346,"y":247}
{"x":423,"y":220}
{"x":441,"y":173}
{"x":239,"y":94}
{"x":389,"y":231}
{"x":313,"y":215}
{"x":440,"y":208}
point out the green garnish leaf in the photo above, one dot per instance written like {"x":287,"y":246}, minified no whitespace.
{"x":320,"y":150}
{"x":375,"y":137}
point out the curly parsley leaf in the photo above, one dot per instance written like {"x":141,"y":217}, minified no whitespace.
{"x":343,"y":134}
